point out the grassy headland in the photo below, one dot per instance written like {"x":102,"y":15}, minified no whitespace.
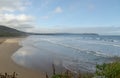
{"x":10,"y":32}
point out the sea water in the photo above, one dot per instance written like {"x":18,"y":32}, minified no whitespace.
{"x":73,"y":52}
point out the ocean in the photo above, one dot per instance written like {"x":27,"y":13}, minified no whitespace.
{"x":73,"y":52}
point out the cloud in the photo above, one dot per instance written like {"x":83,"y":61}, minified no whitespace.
{"x":13,"y":5}
{"x":58,"y":10}
{"x":20,"y":17}
{"x":16,"y":21}
{"x":8,"y":16}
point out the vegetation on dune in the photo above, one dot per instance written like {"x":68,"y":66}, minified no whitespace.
{"x":69,"y":74}
{"x":6,"y":75}
{"x":110,"y":70}
{"x":106,"y":70}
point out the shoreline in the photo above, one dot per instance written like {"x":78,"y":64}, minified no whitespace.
{"x":8,"y":46}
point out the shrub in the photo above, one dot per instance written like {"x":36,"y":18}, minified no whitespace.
{"x":110,"y":70}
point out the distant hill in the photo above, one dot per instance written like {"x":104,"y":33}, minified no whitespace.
{"x":6,"y":31}
{"x":82,"y":34}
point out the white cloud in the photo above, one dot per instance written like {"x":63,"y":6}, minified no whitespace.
{"x":21,"y":21}
{"x":13,"y":5}
{"x":58,"y":10}
{"x":15,"y":20}
{"x":20,"y":17}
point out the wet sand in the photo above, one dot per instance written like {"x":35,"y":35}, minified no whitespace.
{"x":7,"y":47}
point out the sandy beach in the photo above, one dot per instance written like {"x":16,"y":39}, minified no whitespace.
{"x":7,"y":47}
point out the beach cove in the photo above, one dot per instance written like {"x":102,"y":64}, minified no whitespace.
{"x":73,"y":52}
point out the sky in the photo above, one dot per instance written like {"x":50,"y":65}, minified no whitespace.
{"x":66,"y":16}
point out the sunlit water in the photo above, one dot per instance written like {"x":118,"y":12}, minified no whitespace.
{"x":73,"y":52}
